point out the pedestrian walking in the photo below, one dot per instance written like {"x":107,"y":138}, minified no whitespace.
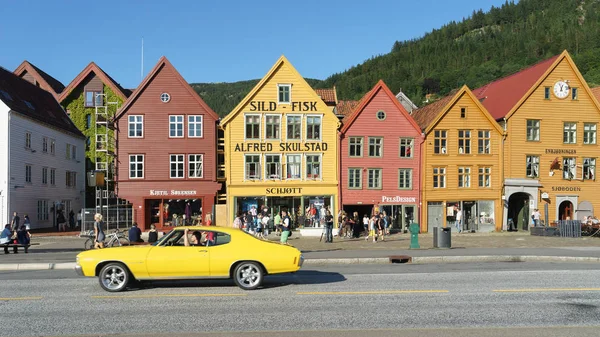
{"x":536,"y":217}
{"x":286,"y":228}
{"x":27,"y":222}
{"x":62,"y":222}
{"x":458,"y":222}
{"x":15,"y":223}
{"x":99,"y":231}
{"x":328,"y":227}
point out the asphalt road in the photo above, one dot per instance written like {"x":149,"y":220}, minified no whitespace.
{"x":528,"y":299}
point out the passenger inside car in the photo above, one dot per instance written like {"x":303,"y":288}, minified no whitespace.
{"x":194,"y":240}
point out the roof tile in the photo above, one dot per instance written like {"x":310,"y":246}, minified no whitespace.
{"x":328,"y":95}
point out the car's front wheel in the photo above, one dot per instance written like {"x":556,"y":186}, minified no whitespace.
{"x":114,"y":277}
{"x":248,"y":275}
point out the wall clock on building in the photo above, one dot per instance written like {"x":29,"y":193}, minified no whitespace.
{"x":561,"y":89}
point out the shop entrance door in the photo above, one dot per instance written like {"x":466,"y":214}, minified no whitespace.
{"x":565,"y":210}
{"x":435,"y":213}
{"x":470,"y":222}
{"x":518,"y":211}
{"x":289,"y":204}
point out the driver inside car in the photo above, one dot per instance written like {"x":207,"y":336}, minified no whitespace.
{"x":195,"y":240}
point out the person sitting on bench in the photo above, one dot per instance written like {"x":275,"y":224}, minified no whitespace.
{"x":5,"y":237}
{"x":23,"y":238}
{"x":135,"y":234}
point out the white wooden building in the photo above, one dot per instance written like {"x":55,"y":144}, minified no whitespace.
{"x":42,"y":155}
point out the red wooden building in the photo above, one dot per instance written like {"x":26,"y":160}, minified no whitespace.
{"x":380,"y":159}
{"x":166,"y":138}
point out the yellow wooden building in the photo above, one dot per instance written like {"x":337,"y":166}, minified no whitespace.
{"x":551,"y":147}
{"x":461,"y":161}
{"x":281,"y":149}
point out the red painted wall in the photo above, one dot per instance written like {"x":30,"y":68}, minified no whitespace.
{"x":395,"y":126}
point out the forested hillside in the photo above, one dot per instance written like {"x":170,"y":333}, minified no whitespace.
{"x":474,"y":51}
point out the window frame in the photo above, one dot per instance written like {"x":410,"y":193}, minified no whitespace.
{"x":464,"y":177}
{"x":369,"y":138}
{"x":535,"y":128}
{"x":463,"y":112}
{"x":411,"y":146}
{"x":176,"y":123}
{"x":95,"y":96}
{"x":52,"y":177}
{"x":484,"y":140}
{"x":195,"y":157}
{"x":410,"y":178}
{"x":246,"y":126}
{"x":382,"y":112}
{"x":320,"y":117}
{"x":465,"y":141}
{"x":379,"y":179}
{"x":350,"y":145}
{"x":570,"y":169}
{"x":27,"y":140}
{"x":530,"y":164}
{"x":136,"y":162}
{"x":279,"y":166}
{"x":42,"y":210}
{"x":136,"y":123}
{"x":567,"y":133}
{"x":194,"y":123}
{"x":177,"y":162}
{"x":547,"y":93}
{"x":487,"y":173}
{"x":45,"y":144}
{"x":353,"y":178}
{"x":45,"y":175}
{"x":574,"y":93}
{"x":258,"y":170}
{"x":440,"y":143}
{"x":587,"y":133}
{"x":591,"y":163}
{"x":287,"y":166}
{"x":266,"y":117}
{"x":279,"y":87}
{"x":287,"y":126}
{"x":52,"y":146}
{"x":28,"y":173}
{"x":439,"y":177}
{"x":320,"y":162}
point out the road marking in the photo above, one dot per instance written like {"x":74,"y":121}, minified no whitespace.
{"x":375,"y":292}
{"x":20,"y":298}
{"x":170,"y":295}
{"x":532,"y":290}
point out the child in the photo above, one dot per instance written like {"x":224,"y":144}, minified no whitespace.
{"x":152,"y":234}
{"x":265,"y":224}
{"x":259,"y":226}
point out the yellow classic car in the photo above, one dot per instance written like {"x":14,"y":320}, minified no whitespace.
{"x":191,"y":253}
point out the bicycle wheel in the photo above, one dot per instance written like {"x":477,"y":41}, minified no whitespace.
{"x":121,"y":241}
{"x":89,"y":244}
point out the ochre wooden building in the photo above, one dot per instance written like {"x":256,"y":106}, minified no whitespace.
{"x":281,"y":148}
{"x":380,"y":151}
{"x":461,"y":162}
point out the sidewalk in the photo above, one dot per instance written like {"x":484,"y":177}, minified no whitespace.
{"x":58,"y":252}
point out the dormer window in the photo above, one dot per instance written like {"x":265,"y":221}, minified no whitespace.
{"x":284,"y":93}
{"x":93,"y":98}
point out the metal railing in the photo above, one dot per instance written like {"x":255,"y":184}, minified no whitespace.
{"x":569,"y":228}
{"x":114,"y":217}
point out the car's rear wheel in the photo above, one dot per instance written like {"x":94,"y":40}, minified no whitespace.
{"x":114,"y":277}
{"x":248,"y":275}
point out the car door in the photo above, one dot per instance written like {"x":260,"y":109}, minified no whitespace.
{"x":170,"y":260}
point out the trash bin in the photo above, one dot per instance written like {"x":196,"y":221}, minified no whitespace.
{"x":442,"y":237}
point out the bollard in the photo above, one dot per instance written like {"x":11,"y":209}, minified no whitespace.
{"x":414,"y":236}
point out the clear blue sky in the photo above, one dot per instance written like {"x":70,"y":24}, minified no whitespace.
{"x":214,"y":41}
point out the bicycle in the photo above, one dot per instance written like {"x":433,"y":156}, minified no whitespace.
{"x":117,"y":239}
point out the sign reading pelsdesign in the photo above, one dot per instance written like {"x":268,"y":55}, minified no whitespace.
{"x":283,"y":147}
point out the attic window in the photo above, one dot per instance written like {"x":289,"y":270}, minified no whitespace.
{"x":463,"y":112}
{"x":6,"y":95}
{"x":165,"y":97}
{"x":29,"y":105}
{"x":381,"y":115}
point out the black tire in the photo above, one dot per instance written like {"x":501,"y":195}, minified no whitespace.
{"x":89,"y":244}
{"x":114,"y":277}
{"x":248,"y":275}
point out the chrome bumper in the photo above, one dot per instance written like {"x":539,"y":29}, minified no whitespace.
{"x":78,"y":270}
{"x":301,"y":261}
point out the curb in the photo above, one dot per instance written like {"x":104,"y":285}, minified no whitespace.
{"x":37,"y":266}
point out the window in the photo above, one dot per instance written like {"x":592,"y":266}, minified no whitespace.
{"x":589,"y":168}
{"x":136,"y":166}
{"x":52,"y":146}
{"x":273,"y":166}
{"x":533,"y":130}
{"x":28,"y":140}
{"x":44,"y":175}
{"x":28,"y":173}
{"x":252,"y":126}
{"x":272,"y":124}
{"x":88,"y":121}
{"x":313,"y":127}
{"x":93,"y":98}
{"x":439,"y":141}
{"x":176,"y":126}
{"x":406,"y":147}
{"x":574,"y":93}
{"x":177,"y":165}
{"x":533,"y":166}
{"x":484,"y":141}
{"x":569,"y":168}
{"x":52,"y":177}
{"x":70,"y":179}
{"x":375,"y":147}
{"x":374,"y":178}
{"x":355,"y":146}
{"x":464,"y":141}
{"x":463,"y":112}
{"x":547,"y":93}
{"x":136,"y":126}
{"x":195,"y":165}
{"x":42,"y":210}
{"x":294,"y":166}
{"x":589,"y":133}
{"x":195,"y":126}
{"x":439,"y":177}
{"x":381,"y":115}
{"x":405,"y":179}
{"x":45,"y":144}
{"x":165,"y":97}
{"x":464,"y":177}
{"x":313,"y":166}
{"x":485,"y":174}
{"x":252,"y":166}
{"x":284,"y":93}
{"x":570,"y":133}
{"x":73,"y":152}
{"x":294,"y":127}
{"x":68,"y":151}
{"x":355,"y":178}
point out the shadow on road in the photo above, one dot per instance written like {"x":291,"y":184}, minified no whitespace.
{"x":270,"y":282}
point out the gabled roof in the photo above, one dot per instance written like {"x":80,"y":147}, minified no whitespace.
{"x":282,"y":60}
{"x":425,"y":115}
{"x":406,"y":102}
{"x":34,"y":102}
{"x":46,"y":81}
{"x":107,"y":80}
{"x":345,"y":108}
{"x":328,"y":95}
{"x":596,"y":92}
{"x":500,"y":96}
{"x":163,"y":63}
{"x":380,"y":86}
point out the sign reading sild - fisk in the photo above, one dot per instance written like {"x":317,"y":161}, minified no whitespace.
{"x":272,"y":106}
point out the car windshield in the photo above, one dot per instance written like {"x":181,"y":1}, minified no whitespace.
{"x":162,"y":238}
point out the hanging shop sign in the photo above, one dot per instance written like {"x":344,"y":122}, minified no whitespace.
{"x":398,"y":199}
{"x":260,"y":106}
{"x":172,"y":192}
{"x":281,"y":147}
{"x":283,"y":190}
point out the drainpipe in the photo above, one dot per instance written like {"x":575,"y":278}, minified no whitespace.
{"x":8,"y":180}
{"x":505,"y":200}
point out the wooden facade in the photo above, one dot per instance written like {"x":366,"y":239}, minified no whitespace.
{"x":380,"y":151}
{"x":166,"y":138}
{"x":281,"y":147}
{"x":461,"y":164}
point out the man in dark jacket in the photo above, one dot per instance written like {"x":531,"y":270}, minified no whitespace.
{"x":135,"y":234}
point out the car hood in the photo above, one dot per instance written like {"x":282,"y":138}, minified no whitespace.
{"x":116,"y":252}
